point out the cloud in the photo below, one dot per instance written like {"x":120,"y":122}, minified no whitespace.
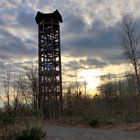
{"x":98,"y":42}
{"x":92,"y":63}
{"x":13,"y":47}
{"x":73,"y":24}
{"x":26,"y":20}
{"x":2,"y":65}
{"x":85,"y":63}
{"x":72,"y":64}
{"x":89,"y":32}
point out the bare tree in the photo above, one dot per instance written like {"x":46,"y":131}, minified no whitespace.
{"x":32,"y":82}
{"x":7,"y":86}
{"x":16,"y":97}
{"x":131,"y":44}
{"x":21,"y":88}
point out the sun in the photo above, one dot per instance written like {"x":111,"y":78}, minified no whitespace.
{"x":91,"y":77}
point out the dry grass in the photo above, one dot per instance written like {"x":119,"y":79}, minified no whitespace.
{"x":80,"y":124}
{"x":11,"y":130}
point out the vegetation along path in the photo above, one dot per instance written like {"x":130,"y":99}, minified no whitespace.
{"x":69,"y":133}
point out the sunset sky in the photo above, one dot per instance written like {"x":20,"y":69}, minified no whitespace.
{"x":90,"y":39}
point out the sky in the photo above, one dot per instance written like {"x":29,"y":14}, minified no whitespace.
{"x":90,"y":39}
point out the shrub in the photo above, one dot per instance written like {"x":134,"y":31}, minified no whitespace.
{"x":34,"y":133}
{"x":100,"y":121}
{"x":7,"y":119}
{"x":37,"y":113}
{"x":95,"y":122}
{"x":7,"y":123}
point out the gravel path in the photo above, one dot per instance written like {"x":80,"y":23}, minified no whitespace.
{"x":68,"y":133}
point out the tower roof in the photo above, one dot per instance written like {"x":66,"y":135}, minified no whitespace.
{"x":55,"y":15}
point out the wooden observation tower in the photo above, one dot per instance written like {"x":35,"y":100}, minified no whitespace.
{"x":49,"y":55}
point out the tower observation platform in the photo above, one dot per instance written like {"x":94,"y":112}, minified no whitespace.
{"x":49,"y":64}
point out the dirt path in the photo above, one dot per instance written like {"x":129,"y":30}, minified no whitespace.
{"x":68,"y":133}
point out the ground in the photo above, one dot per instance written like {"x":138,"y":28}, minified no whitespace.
{"x":71,"y":133}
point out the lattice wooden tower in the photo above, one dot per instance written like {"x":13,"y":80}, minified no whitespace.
{"x":49,"y":54}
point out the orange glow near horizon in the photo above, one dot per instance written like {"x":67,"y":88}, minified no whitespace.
{"x":91,"y":77}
